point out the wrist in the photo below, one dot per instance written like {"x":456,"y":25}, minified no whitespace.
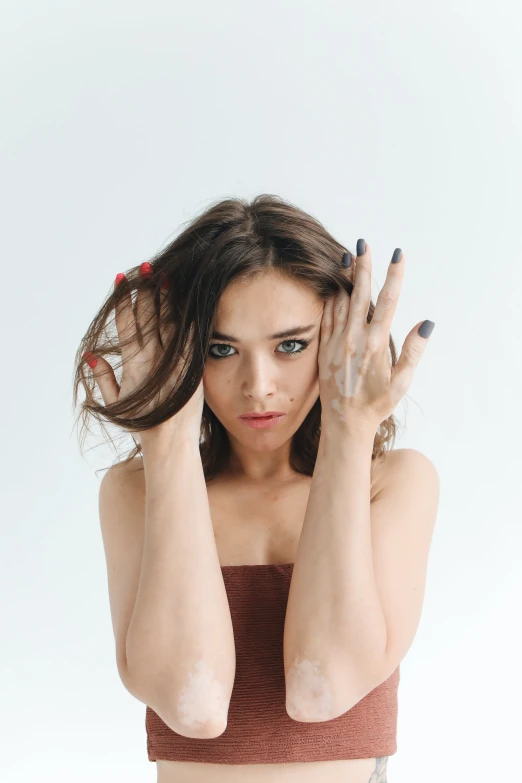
{"x":164,"y":440}
{"x":334,"y":430}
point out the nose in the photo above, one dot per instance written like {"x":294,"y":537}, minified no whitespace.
{"x":259,"y":379}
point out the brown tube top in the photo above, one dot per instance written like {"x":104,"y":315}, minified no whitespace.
{"x":259,"y":730}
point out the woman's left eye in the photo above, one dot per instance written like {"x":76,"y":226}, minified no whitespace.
{"x":304,"y":345}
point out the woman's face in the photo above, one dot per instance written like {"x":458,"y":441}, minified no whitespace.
{"x":252,"y":371}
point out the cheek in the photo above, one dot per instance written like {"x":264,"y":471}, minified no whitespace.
{"x":304,"y":384}
{"x":307,"y":373}
{"x":216,"y":386}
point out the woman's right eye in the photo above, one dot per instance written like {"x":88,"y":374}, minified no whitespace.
{"x":219,"y":345}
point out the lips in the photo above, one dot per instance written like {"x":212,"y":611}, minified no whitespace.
{"x":268,"y":414}
{"x":262,"y":421}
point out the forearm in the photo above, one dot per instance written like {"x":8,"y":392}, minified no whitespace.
{"x":334,"y":617}
{"x":180,"y":640}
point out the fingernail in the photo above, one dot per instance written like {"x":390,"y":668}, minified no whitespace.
{"x":397,"y":253}
{"x":361,"y":247}
{"x":426,"y":328}
{"x":119,"y":278}
{"x":164,"y":281}
{"x":347,"y":260}
{"x":90,"y":359}
{"x":146,"y":269}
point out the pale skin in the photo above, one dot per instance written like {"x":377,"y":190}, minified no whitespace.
{"x":258,"y":375}
{"x":358,"y":384}
{"x":203,"y":700}
{"x":316,"y":701}
{"x":343,"y":362}
{"x":346,"y":361}
{"x":359,"y":389}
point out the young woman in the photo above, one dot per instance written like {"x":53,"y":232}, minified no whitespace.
{"x":266,"y":552}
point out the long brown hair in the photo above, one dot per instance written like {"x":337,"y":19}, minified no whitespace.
{"x":232,"y":239}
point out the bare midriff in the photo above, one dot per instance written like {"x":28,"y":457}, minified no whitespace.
{"x":344,"y":771}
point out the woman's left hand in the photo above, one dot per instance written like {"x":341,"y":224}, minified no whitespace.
{"x":358,"y":387}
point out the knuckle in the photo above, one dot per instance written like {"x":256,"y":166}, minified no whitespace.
{"x":412,"y":352}
{"x":358,"y":295}
{"x":350,"y":348}
{"x":387,"y":298}
{"x":373,"y":345}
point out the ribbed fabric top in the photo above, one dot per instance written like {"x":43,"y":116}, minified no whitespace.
{"x":259,"y":730}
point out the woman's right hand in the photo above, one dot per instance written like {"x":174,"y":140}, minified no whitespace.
{"x":138,"y":364}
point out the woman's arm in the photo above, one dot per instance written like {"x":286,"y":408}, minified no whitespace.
{"x":180,"y":640}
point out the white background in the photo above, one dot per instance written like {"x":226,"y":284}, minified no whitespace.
{"x":399,"y":122}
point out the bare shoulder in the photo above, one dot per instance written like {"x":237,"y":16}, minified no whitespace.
{"x":121,"y":504}
{"x":405,"y":464}
{"x":125,"y":475}
{"x":133,"y":467}
{"x":121,"y":500}
{"x":412,"y":460}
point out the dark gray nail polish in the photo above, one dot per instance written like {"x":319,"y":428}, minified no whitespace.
{"x":396,"y":255}
{"x":361,"y":247}
{"x":426,"y":328}
{"x":347,"y":260}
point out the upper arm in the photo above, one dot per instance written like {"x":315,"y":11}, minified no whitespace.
{"x":122,"y":522}
{"x":403,"y":515}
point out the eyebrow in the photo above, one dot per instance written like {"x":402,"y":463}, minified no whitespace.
{"x":293,"y":332}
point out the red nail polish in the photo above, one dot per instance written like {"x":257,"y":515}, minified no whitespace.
{"x":164,"y":281}
{"x":90,"y":359}
{"x":146,"y":269}
{"x":119,"y":278}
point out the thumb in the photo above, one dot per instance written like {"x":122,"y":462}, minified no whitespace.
{"x":104,"y":377}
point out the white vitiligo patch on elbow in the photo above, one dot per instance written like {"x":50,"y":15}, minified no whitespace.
{"x":203,"y":700}
{"x":308,"y":695}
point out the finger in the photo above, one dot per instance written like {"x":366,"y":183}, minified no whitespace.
{"x":341,"y":307}
{"x":166,"y":322}
{"x":145,"y":309}
{"x":166,"y":325}
{"x":412,"y":351}
{"x":105,"y":378}
{"x":340,"y":311}
{"x":124,"y":316}
{"x":325,"y":331}
{"x":362,"y":289}
{"x":388,"y":298}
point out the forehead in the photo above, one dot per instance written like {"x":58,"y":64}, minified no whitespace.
{"x":266,"y":296}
